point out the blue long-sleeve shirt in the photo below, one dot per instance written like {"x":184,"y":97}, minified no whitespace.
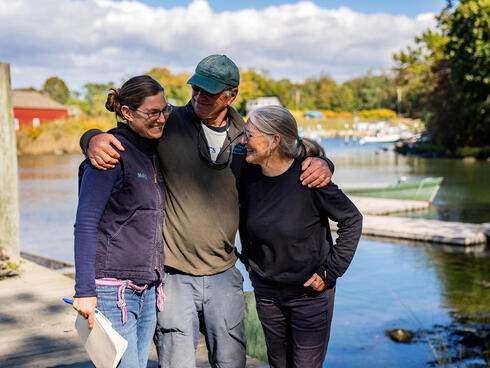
{"x":95,"y":190}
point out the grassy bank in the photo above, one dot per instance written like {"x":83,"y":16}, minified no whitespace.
{"x":63,"y":136}
{"x":58,"y":137}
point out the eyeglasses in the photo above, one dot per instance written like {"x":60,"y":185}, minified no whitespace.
{"x":248,"y":135}
{"x":197,"y":89}
{"x":154,"y":115}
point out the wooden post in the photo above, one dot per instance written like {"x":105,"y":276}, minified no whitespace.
{"x":9,"y":192}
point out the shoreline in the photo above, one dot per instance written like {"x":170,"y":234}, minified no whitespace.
{"x":429,"y":150}
{"x":35,"y":142}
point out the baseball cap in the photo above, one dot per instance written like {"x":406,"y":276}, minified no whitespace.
{"x":214,"y":73}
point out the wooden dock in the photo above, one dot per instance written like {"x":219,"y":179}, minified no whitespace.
{"x":37,"y":328}
{"x":433,"y":231}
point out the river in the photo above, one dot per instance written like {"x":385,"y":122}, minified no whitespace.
{"x":389,"y":284}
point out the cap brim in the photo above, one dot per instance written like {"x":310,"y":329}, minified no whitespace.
{"x":208,"y":84}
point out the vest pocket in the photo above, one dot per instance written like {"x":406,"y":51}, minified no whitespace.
{"x":132,"y":247}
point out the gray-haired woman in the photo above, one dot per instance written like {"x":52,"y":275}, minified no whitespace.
{"x":286,"y":241}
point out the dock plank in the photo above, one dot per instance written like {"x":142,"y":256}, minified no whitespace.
{"x":433,"y":231}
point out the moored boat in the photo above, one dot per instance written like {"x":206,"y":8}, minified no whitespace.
{"x":385,"y":138}
{"x":421,"y":190}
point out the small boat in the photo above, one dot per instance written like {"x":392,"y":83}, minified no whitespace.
{"x":384,"y":138}
{"x":421,"y":190}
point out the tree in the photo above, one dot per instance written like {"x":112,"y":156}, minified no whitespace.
{"x":468,"y":53}
{"x":446,"y":77}
{"x":95,"y":96}
{"x":56,"y":89}
{"x":176,"y":89}
{"x":254,"y":84}
{"x":371,"y":91}
{"x":416,"y":73}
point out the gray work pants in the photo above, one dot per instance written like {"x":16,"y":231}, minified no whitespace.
{"x":213,"y":305}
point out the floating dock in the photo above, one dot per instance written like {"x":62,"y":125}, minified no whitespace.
{"x":376,"y":223}
{"x":432,"y":231}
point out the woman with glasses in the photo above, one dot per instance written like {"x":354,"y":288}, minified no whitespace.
{"x":118,"y":229}
{"x":286,"y":241}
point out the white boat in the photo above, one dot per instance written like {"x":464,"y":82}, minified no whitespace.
{"x":381,"y":138}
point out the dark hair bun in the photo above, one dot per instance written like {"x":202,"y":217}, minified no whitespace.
{"x":113,"y":104}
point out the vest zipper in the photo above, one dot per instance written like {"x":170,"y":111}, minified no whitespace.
{"x":160,"y":209}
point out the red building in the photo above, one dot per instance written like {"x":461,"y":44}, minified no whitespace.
{"x":33,"y":108}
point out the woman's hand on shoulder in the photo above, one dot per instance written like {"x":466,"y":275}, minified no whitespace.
{"x":315,"y":282}
{"x":86,"y":307}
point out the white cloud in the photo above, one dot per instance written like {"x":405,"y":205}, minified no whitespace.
{"x":100,"y":40}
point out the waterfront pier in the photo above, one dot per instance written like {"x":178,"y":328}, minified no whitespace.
{"x":377,"y":223}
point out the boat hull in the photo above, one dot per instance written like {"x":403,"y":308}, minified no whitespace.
{"x":423,"y":190}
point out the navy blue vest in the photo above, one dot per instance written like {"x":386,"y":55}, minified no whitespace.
{"x":129,"y":240}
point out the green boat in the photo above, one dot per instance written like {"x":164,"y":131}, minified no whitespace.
{"x":422,"y":190}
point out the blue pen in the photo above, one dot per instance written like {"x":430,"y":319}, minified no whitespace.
{"x":69,"y":301}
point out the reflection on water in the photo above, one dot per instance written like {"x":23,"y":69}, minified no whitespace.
{"x":398,"y":286}
{"x":48,"y":199}
{"x":432,"y":284}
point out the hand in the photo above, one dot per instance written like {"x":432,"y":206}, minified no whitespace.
{"x":100,"y":152}
{"x":316,"y":173}
{"x":249,"y":269}
{"x":86,"y":307}
{"x":316,"y":282}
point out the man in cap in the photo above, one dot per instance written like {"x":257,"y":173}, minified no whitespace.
{"x":200,"y":156}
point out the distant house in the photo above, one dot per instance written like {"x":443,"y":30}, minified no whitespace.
{"x":261,"y":101}
{"x":32,"y":108}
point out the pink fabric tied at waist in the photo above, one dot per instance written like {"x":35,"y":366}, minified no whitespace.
{"x":123,"y":284}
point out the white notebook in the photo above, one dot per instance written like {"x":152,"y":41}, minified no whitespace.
{"x":103,"y":344}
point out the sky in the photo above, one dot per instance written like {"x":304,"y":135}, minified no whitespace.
{"x":99,"y":41}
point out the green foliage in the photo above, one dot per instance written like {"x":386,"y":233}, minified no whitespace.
{"x":254,"y":84}
{"x":176,"y":89}
{"x":95,"y":97}
{"x":253,"y":329}
{"x":319,"y":93}
{"x":478,"y":152}
{"x":376,"y":114}
{"x":7,"y":267}
{"x":445,"y":78}
{"x":56,"y":89}
{"x":322,"y":93}
{"x":59,"y":136}
{"x":468,"y":52}
{"x":415,"y":75}
{"x":371,"y":92}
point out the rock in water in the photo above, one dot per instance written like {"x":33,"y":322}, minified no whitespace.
{"x":400,"y":335}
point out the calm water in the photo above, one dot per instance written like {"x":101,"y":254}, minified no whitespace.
{"x":388,"y":285}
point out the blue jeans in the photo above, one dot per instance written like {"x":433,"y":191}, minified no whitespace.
{"x":213,"y":305}
{"x":140,"y":325}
